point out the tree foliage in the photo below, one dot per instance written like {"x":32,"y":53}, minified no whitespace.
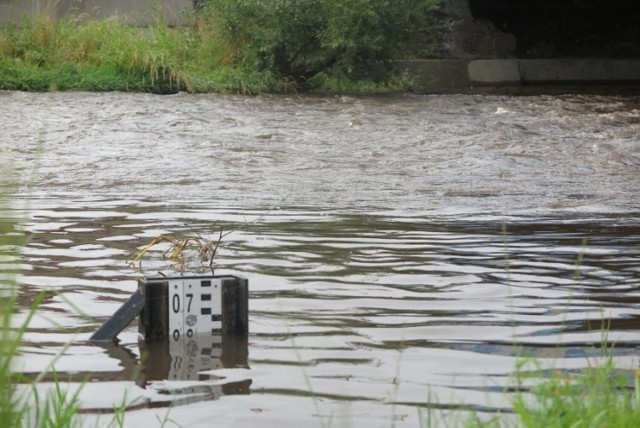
{"x":300,"y":40}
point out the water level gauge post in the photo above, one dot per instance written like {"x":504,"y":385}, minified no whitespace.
{"x":174,"y":308}
{"x":185,"y":307}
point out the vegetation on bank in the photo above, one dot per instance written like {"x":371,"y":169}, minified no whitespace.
{"x":242,"y":46}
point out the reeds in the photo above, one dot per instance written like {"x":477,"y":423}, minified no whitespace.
{"x":204,"y":248}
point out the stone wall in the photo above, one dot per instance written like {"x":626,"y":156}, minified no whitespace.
{"x":136,"y":11}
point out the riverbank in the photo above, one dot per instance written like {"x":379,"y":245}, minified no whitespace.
{"x":46,"y":52}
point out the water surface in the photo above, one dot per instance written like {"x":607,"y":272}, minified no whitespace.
{"x":400,"y":250}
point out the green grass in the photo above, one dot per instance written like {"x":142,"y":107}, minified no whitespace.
{"x":41,"y":54}
{"x":599,"y":396}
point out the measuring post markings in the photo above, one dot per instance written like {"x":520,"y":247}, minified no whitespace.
{"x":195,"y":307}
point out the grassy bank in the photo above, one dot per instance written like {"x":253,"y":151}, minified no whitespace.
{"x":246,"y":46}
{"x":41,"y":54}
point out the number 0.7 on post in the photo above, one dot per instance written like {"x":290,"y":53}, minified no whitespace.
{"x":195,"y":307}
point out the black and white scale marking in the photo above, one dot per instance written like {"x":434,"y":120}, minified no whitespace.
{"x":195,"y":307}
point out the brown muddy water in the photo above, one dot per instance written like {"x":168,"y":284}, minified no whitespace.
{"x":401,"y":251}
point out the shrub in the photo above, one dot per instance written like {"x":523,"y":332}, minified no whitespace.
{"x":300,"y":40}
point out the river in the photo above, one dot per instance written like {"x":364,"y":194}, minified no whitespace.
{"x":401,"y":250}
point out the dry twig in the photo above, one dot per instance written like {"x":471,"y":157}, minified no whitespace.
{"x":204,"y":248}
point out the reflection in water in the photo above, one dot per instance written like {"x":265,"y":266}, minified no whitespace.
{"x":193,"y":359}
{"x":398,"y":248}
{"x":187,"y":358}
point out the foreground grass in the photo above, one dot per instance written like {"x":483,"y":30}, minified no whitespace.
{"x":599,"y":396}
{"x":23,"y":407}
{"x":42,"y":53}
{"x":11,"y":240}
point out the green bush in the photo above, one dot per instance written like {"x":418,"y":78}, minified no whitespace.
{"x":302,"y":40}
